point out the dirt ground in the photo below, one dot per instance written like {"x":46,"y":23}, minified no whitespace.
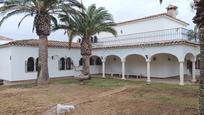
{"x":131,"y":103}
{"x":154,"y":99}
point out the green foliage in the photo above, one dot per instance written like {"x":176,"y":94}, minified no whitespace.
{"x":199,"y":17}
{"x":35,"y":7}
{"x":193,"y":34}
{"x":86,"y":23}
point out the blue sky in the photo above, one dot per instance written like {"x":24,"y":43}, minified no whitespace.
{"x":122,"y":10}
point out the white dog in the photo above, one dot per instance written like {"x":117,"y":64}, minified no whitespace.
{"x":62,"y":109}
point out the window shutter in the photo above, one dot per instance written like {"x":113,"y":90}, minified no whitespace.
{"x":72,"y":64}
{"x":25,"y":66}
{"x":58,"y":64}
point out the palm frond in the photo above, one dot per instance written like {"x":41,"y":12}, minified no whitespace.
{"x":19,"y":24}
{"x":88,"y":22}
{"x":12,"y":14}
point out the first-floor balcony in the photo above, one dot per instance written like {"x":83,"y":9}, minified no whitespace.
{"x":146,"y":37}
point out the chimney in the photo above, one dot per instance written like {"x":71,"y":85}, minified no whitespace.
{"x":172,"y":10}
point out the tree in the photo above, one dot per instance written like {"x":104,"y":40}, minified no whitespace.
{"x":199,"y":21}
{"x":87,"y":23}
{"x":44,"y":12}
{"x":193,"y":34}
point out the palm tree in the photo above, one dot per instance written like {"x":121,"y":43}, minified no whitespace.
{"x":87,"y":23}
{"x":199,"y":21}
{"x":44,"y":12}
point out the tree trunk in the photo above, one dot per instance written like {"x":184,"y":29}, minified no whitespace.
{"x":43,"y":76}
{"x":201,"y":90}
{"x":42,"y":24}
{"x":86,"y":49}
{"x":86,"y":65}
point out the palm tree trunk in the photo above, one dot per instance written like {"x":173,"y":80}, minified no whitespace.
{"x":86,"y":49}
{"x":86,"y":65}
{"x":201,"y":90}
{"x":43,"y":76}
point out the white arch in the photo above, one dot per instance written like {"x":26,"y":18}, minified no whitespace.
{"x":191,"y":55}
{"x":134,"y":55}
{"x":177,"y":57}
{"x":105,"y":57}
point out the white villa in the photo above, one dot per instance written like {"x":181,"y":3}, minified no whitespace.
{"x":156,"y":46}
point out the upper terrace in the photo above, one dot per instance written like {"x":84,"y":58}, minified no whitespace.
{"x":175,"y":34}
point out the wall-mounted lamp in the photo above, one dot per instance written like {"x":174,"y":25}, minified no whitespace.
{"x":169,"y":59}
{"x":54,"y":56}
{"x":114,"y":59}
{"x":154,"y":58}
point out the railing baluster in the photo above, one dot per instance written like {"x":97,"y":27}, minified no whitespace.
{"x":153,"y":36}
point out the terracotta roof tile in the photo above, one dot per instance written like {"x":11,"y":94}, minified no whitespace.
{"x":60,"y":44}
{"x":4,"y":38}
{"x":34,"y":42}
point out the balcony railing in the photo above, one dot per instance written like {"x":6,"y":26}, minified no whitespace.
{"x":145,"y":37}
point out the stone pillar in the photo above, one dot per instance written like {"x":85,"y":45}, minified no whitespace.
{"x":181,"y":73}
{"x":148,"y":71}
{"x":103,"y":67}
{"x":193,"y":71}
{"x":123,"y":68}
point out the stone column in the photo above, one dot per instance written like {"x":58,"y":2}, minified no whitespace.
{"x":148,"y":71}
{"x":123,"y":68}
{"x":181,"y":73}
{"x":103,"y":67}
{"x":193,"y":71}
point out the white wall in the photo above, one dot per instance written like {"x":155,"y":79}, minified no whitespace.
{"x":19,"y":57}
{"x":96,"y":69}
{"x":113,"y":65}
{"x":21,"y":54}
{"x":135,"y":65}
{"x":165,"y":65}
{"x":5,"y":63}
{"x":74,"y":54}
{"x":159,"y":23}
{"x":160,"y":68}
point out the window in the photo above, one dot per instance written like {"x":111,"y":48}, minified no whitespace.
{"x":98,"y":61}
{"x":79,"y":40}
{"x":91,"y":61}
{"x":30,"y":64}
{"x":62,"y":64}
{"x":69,"y":64}
{"x":197,"y":64}
{"x":95,"y":39}
{"x":81,"y":62}
{"x":36,"y":65}
{"x":92,"y":40}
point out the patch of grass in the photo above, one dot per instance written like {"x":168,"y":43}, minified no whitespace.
{"x":163,"y":86}
{"x":109,"y":83}
{"x":23,"y":85}
{"x":177,"y":101}
{"x":169,"y":94}
{"x":64,"y":81}
{"x":99,"y":82}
